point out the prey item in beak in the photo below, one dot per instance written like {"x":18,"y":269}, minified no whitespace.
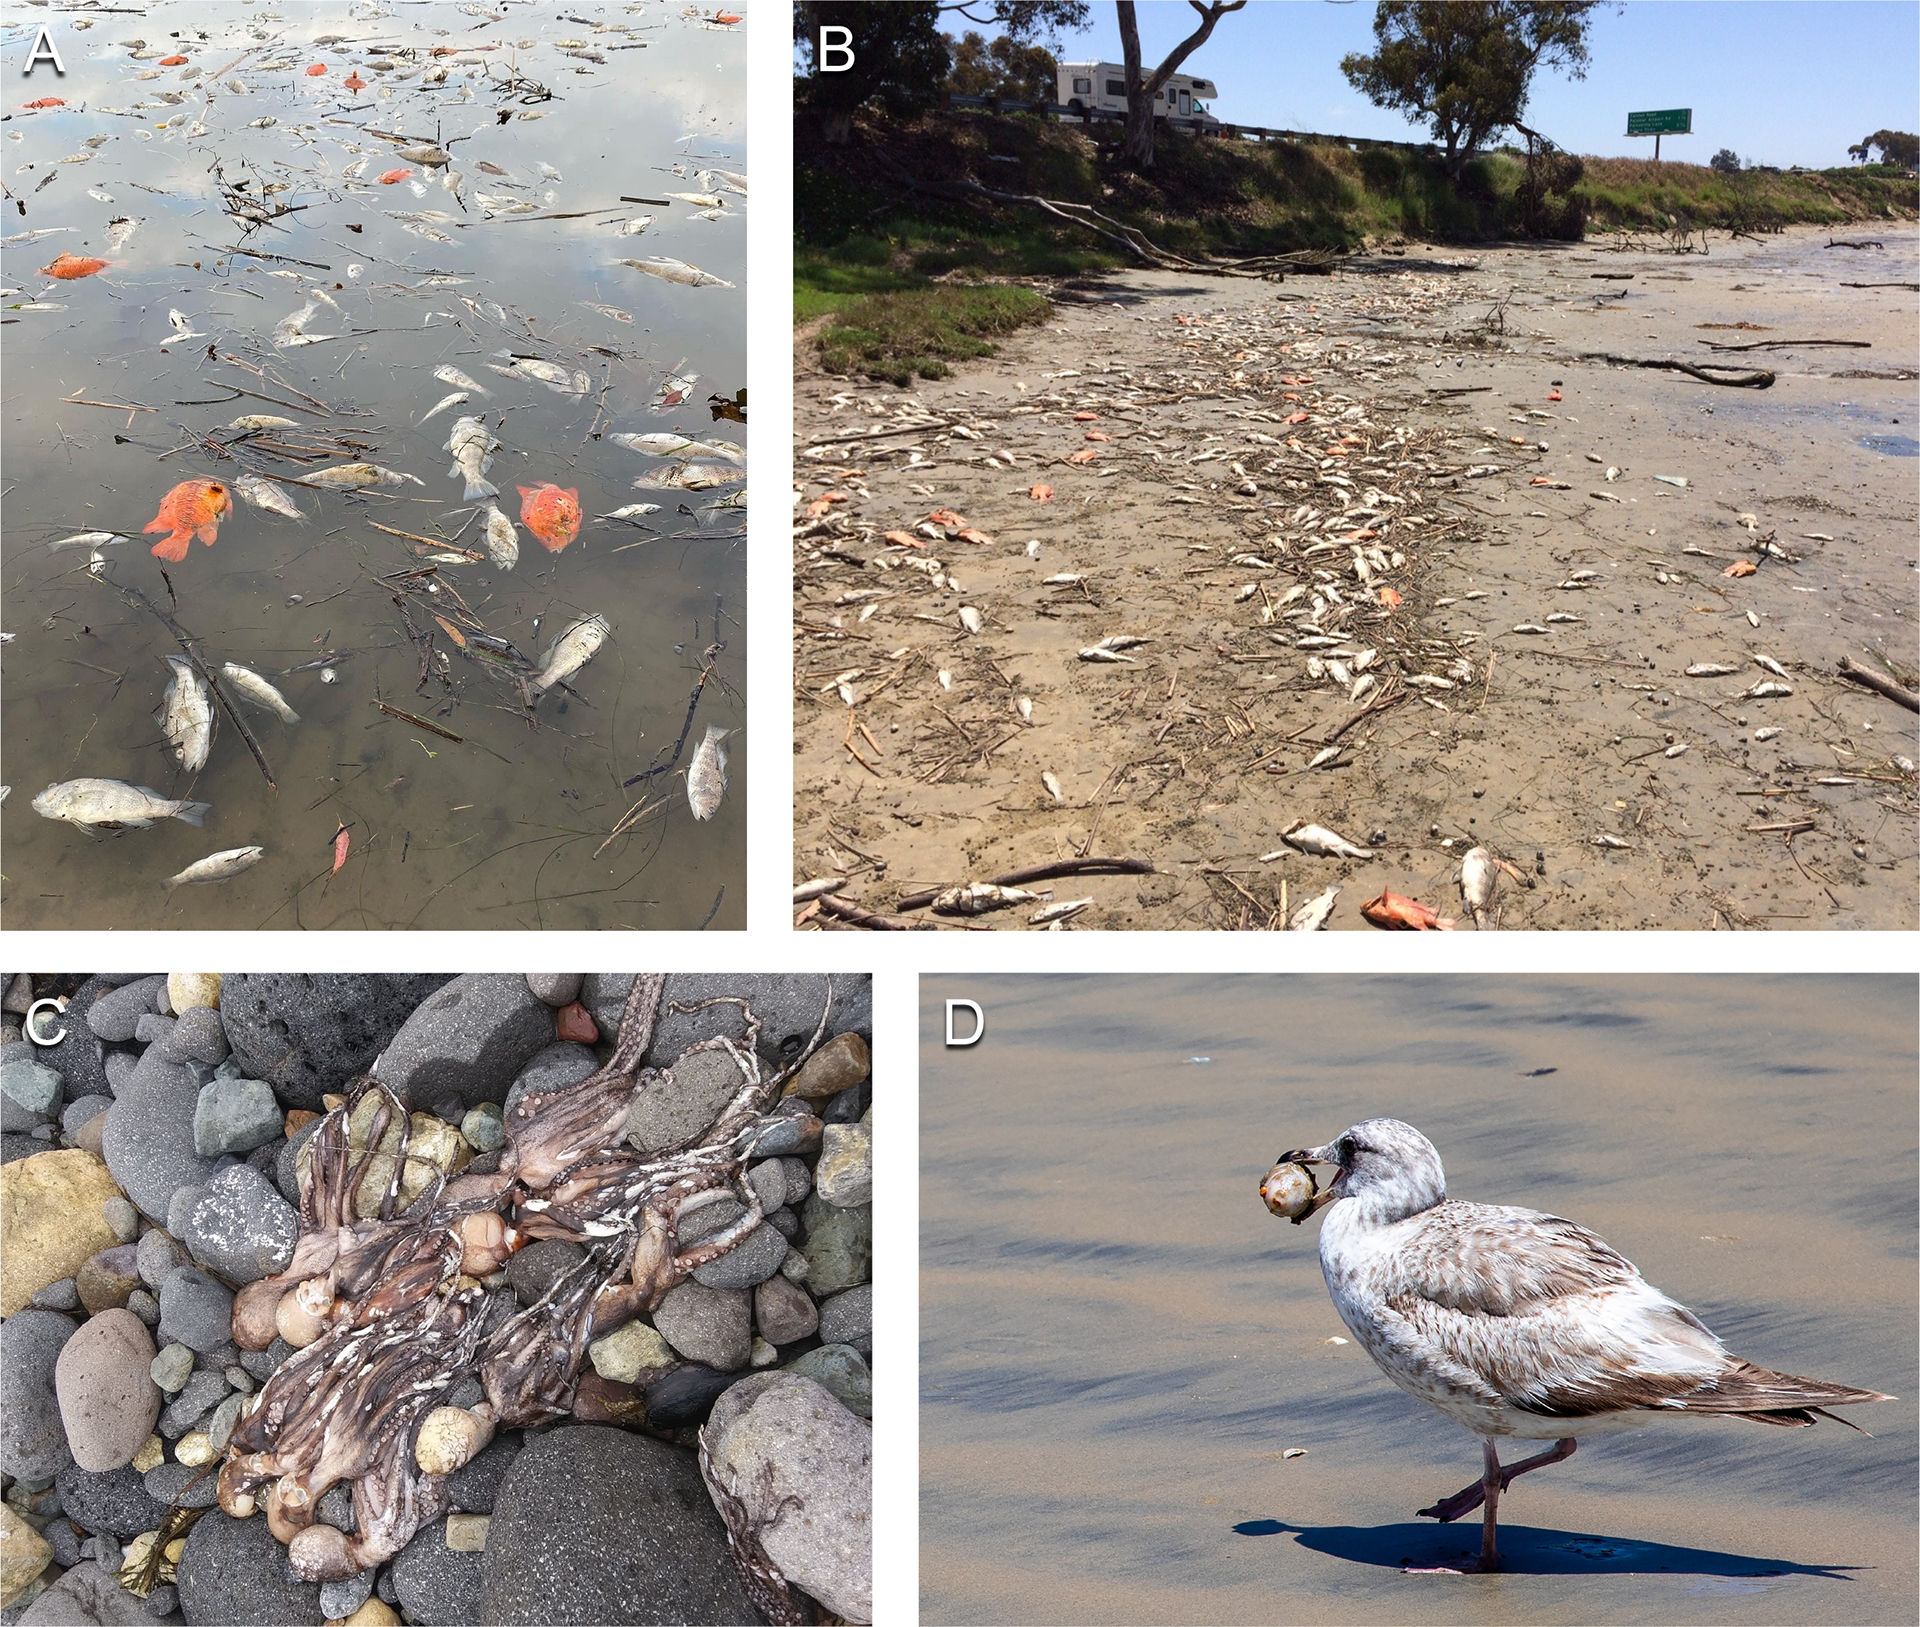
{"x":1290,"y":1189}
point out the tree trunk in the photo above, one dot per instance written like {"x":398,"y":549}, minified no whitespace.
{"x":1137,"y":147}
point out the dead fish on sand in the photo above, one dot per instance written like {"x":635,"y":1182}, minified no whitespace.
{"x":353,"y":475}
{"x":707,"y":777}
{"x":981,"y":898}
{"x":679,"y":271}
{"x":572,"y":650}
{"x":216,"y":867}
{"x":472,"y":446}
{"x":1312,"y":915}
{"x":263,"y":493}
{"x":113,"y":805}
{"x":250,"y":686}
{"x":1317,"y":839}
{"x":185,"y":715}
{"x":1478,"y":873}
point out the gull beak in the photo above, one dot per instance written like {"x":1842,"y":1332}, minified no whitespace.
{"x":1317,"y":1155}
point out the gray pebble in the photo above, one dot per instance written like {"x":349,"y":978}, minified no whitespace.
{"x":483,"y":1128}
{"x":168,"y":1483}
{"x":172,"y":1368}
{"x":754,"y":1259}
{"x":150,"y":1028}
{"x":116,"y":1014}
{"x":79,"y":1112}
{"x":114,"y":1502}
{"x":470,"y":1037}
{"x":197,"y":1310}
{"x":556,"y":988}
{"x":435,"y":1586}
{"x":122,"y":1217}
{"x":234,"y":1571}
{"x":307,"y":1032}
{"x":225,"y":1416}
{"x":538,"y":1266}
{"x":144,"y":1306}
{"x":841,"y":1370}
{"x":29,"y":1094}
{"x":235,"y":1115}
{"x":847,"y":1319}
{"x":196,"y":1036}
{"x":339,"y":1599}
{"x":198,"y":1396}
{"x":159,"y":1255}
{"x":163,"y":1601}
{"x":335,"y":1508}
{"x":241,"y":1227}
{"x":63,"y":1295}
{"x":33,"y":1445}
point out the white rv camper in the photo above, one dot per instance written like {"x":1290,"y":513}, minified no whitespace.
{"x":1103,"y":86}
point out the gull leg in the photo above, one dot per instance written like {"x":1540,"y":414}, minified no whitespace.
{"x":1466,"y":1500}
{"x":1489,"y":1549}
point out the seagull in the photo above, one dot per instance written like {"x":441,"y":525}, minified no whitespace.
{"x":1512,"y":1322}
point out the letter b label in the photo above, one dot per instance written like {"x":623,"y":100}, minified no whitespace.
{"x":836,"y":49}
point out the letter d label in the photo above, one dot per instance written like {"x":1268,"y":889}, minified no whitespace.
{"x":979,"y":1023}
{"x":836,"y":49}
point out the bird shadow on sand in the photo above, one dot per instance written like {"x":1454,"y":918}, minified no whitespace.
{"x":1529,"y":1551}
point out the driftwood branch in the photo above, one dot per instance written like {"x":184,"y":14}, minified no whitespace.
{"x":1042,"y":872}
{"x":1879,"y":683}
{"x":1706,"y":372}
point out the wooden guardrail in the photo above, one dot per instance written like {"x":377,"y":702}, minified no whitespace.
{"x":1209,"y":126}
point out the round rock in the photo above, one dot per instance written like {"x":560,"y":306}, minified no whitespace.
{"x":233,"y":1571}
{"x":847,"y":1319}
{"x":108,"y":1402}
{"x":88,"y":1593}
{"x":240,"y":1226}
{"x":598,"y":1525}
{"x":538,"y":1266}
{"x":304,"y":1033}
{"x":115,"y":1501}
{"x":844,"y":1175}
{"x":559,"y":1066}
{"x":706,"y":1325}
{"x":235,"y":1115}
{"x":839,"y":1245}
{"x":555,"y":988}
{"x":29,"y":1094}
{"x":116,"y":1014}
{"x":752,"y":1260}
{"x":470,"y":1037}
{"x":197,"y":1310}
{"x":784,"y":1311}
{"x":473,"y":1487}
{"x":148,"y":1139}
{"x":842,"y":1370}
{"x":435,"y":1585}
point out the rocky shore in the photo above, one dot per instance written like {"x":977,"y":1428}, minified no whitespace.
{"x":153,"y":1167}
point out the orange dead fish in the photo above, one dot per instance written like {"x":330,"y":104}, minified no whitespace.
{"x":1086,"y":417}
{"x":1389,"y":598}
{"x":45,"y":101}
{"x":1740,"y":567}
{"x":945,"y":516}
{"x":1040,"y":492}
{"x":171,"y":61}
{"x":354,"y":83}
{"x":1397,"y":914}
{"x":318,"y":67}
{"x":1098,"y":435}
{"x":394,"y":175}
{"x":977,"y":537}
{"x":68,"y":266}
{"x":341,"y":842}
{"x":551,"y":513}
{"x":193,"y":508}
{"x":1084,"y":455}
{"x":905,"y":539}
{"x":728,"y":18}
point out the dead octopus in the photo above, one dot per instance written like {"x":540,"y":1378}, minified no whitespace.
{"x":389,"y":1313}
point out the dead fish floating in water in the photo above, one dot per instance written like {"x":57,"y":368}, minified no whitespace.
{"x":216,"y":867}
{"x":252,"y":423}
{"x":669,"y":270}
{"x":351,"y":476}
{"x":632,"y":512}
{"x":250,"y":686}
{"x":113,"y":805}
{"x":263,"y":493}
{"x":457,"y":399}
{"x":561,"y":380}
{"x":707,"y":776}
{"x":1318,"y":840}
{"x":982,"y":898}
{"x":185,"y":715}
{"x":669,"y":445}
{"x":472,"y":446}
{"x":452,"y":375}
{"x":503,"y":542}
{"x":88,"y":539}
{"x":1289,"y":1191}
{"x":572,"y":650}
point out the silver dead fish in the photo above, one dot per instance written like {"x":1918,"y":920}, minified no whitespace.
{"x":707,"y":776}
{"x":216,"y":867}
{"x":113,"y":804}
{"x":458,"y":398}
{"x":572,"y":650}
{"x":263,"y":493}
{"x":1312,"y":915}
{"x":561,"y":380}
{"x":88,"y":539}
{"x":1478,"y":873}
{"x":472,"y":447}
{"x":981,"y":898}
{"x":452,"y":375}
{"x":632,"y":511}
{"x":185,"y":715}
{"x":250,"y":686}
{"x":503,"y":542}
{"x":351,"y":475}
{"x":253,"y":422}
{"x":679,"y":271}
{"x":1317,"y":839}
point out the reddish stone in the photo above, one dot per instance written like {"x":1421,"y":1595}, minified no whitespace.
{"x":600,"y":1400}
{"x":298,"y":1118}
{"x":574,"y":1022}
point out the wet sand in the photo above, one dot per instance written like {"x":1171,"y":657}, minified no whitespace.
{"x":1197,"y":756}
{"x":1119,"y":1342}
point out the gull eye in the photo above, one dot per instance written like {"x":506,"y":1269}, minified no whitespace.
{"x":1347,"y":1148}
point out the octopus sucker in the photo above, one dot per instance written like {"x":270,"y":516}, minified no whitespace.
{"x":389,"y":1313}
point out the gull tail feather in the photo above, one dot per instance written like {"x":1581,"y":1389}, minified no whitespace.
{"x":1775,"y":1398}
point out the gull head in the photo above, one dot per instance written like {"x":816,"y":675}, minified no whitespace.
{"x":1390,"y":1169}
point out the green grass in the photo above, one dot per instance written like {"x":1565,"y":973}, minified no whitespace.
{"x":915,"y":333}
{"x":912,"y":283}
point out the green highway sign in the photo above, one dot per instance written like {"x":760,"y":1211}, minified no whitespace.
{"x":1672,"y":121}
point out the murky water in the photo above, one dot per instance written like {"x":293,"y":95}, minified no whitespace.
{"x":505,"y":825}
{"x":1119,"y":1342}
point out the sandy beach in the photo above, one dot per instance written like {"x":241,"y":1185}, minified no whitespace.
{"x":1222,"y":427}
{"x":1120,"y":1344}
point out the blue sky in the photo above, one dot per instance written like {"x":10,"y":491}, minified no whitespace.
{"x":1779,"y":81}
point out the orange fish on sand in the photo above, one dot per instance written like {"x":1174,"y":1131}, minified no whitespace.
{"x":318,"y":67}
{"x":68,"y":266}
{"x":354,"y":83}
{"x":393,"y":175}
{"x":171,"y":61}
{"x":551,"y":513}
{"x":1396,"y":914}
{"x":193,"y":508}
{"x":44,"y":101}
